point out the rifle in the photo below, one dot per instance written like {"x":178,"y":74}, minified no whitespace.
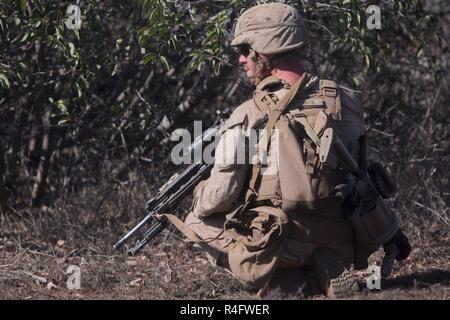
{"x":174,"y":190}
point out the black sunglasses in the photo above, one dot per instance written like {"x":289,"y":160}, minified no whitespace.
{"x":244,"y":50}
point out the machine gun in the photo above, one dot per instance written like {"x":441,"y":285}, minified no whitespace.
{"x":174,"y":190}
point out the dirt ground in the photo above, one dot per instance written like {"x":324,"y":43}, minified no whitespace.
{"x":36,"y":267}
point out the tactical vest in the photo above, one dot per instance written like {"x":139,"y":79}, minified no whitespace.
{"x":297,"y":203}
{"x":304,"y":187}
{"x":302,"y":183}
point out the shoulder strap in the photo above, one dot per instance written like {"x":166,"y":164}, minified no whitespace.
{"x":309,"y":130}
{"x":180,"y":225}
{"x":330,"y":93}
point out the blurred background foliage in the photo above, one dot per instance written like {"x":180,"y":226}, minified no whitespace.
{"x":96,"y":107}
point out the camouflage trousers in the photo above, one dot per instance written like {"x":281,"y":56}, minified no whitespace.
{"x":211,"y":230}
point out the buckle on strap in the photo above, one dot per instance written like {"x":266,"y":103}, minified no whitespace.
{"x":329,"y":92}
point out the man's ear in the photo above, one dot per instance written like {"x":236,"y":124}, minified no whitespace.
{"x":255,"y":56}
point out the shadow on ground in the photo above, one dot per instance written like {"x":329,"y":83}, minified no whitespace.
{"x":423,"y":279}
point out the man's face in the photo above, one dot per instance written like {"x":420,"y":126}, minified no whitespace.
{"x":247,"y":59}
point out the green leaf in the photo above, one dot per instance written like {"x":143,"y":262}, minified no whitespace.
{"x":24,"y":37}
{"x":114,"y":72}
{"x":164,"y":62}
{"x":78,"y":90}
{"x":367,"y":59}
{"x":72,"y":49}
{"x":62,"y":107}
{"x":77,"y":34}
{"x":64,"y":119}
{"x":437,"y":38}
{"x":419,"y":53}
{"x":18,"y":76}
{"x":149,"y":58}
{"x":23,"y":66}
{"x":4,"y":81}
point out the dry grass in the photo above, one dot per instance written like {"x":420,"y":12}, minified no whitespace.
{"x":36,"y":248}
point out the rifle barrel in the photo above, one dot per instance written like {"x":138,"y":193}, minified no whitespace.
{"x":149,"y":235}
{"x":144,"y":221}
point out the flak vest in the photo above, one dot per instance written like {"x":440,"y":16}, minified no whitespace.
{"x":301,"y":185}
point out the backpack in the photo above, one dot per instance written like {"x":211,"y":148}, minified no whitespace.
{"x":301,"y":192}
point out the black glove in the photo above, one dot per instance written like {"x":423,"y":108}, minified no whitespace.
{"x":397,"y":248}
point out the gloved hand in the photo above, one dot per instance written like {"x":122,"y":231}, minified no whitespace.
{"x":390,"y":252}
{"x":397,"y":248}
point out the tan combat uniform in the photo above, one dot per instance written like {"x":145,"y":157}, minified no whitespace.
{"x":227,"y":185}
{"x":291,"y":218}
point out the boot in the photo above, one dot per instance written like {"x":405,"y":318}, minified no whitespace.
{"x":334,"y":279}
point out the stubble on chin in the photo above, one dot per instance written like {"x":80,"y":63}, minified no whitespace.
{"x":251,"y":78}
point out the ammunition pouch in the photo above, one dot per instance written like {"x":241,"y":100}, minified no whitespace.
{"x":373,"y":223}
{"x":376,"y":226}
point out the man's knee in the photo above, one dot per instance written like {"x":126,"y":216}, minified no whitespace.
{"x":210,"y":229}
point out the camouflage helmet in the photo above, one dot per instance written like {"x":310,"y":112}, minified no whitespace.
{"x":271,"y":28}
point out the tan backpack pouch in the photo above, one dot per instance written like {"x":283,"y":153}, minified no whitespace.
{"x":259,"y":236}
{"x":268,"y":187}
{"x":304,"y":181}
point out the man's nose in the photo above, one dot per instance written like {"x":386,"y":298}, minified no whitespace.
{"x":242,"y":59}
